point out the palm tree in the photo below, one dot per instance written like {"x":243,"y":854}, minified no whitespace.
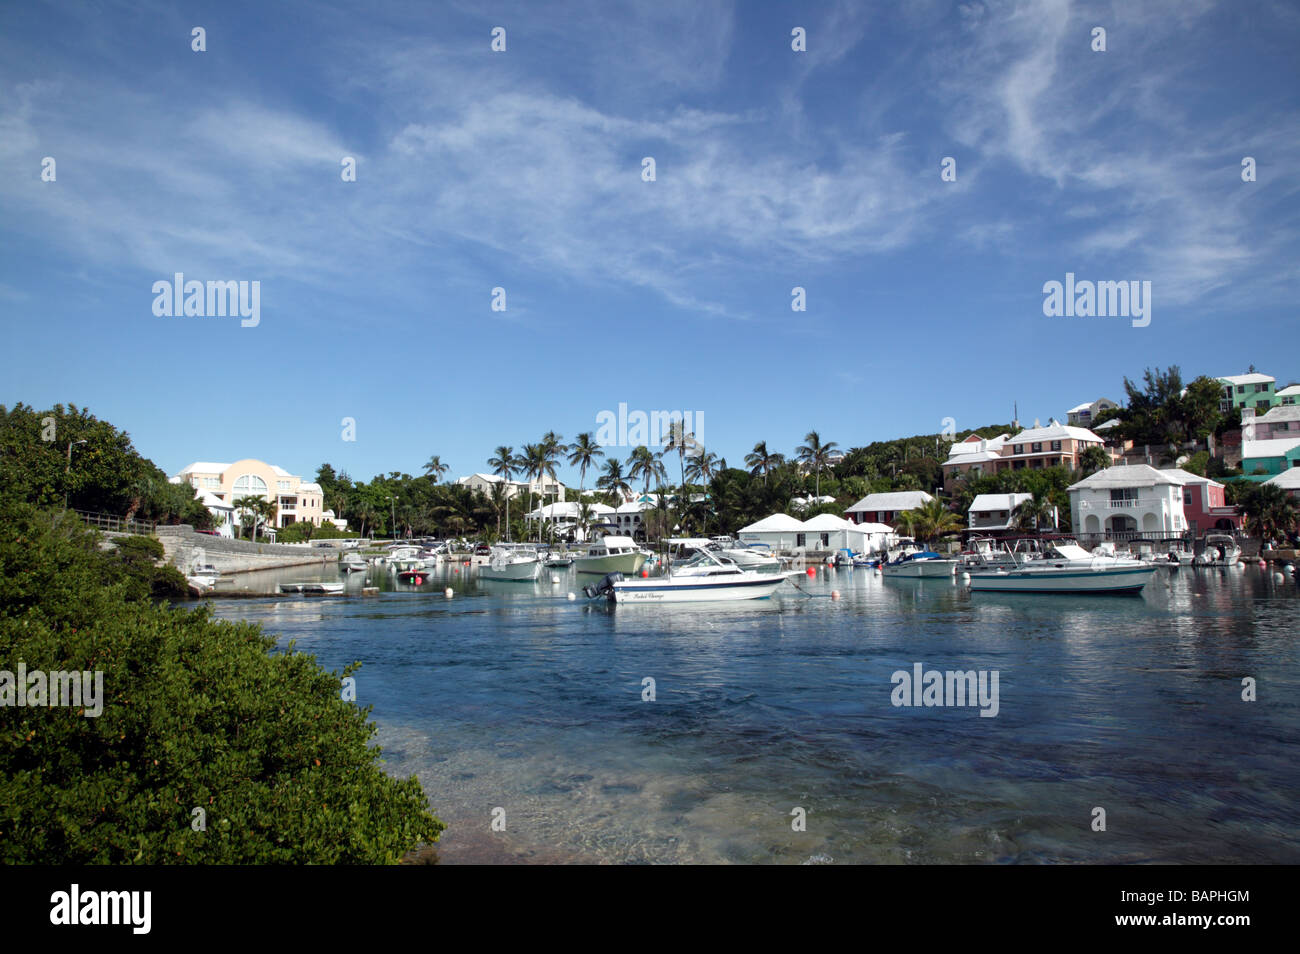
{"x":612,"y":480}
{"x":907,"y":523}
{"x":552,"y":452}
{"x":251,"y":505}
{"x":679,"y":439}
{"x":435,"y":468}
{"x":1094,"y":459}
{"x":582,"y":454}
{"x":1033,"y":513}
{"x":1270,"y":512}
{"x":815,"y":454}
{"x":642,"y":464}
{"x":762,"y":459}
{"x":504,"y":465}
{"x":703,"y":466}
{"x":533,"y":464}
{"x":934,"y":520}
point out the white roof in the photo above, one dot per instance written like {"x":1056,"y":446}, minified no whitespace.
{"x":1290,"y":390}
{"x":1247,"y":378}
{"x":1133,"y":475}
{"x":309,"y":488}
{"x":280,"y":471}
{"x":205,"y":467}
{"x":986,"y":502}
{"x":1086,"y":405}
{"x":830,"y":521}
{"x":1282,"y":412}
{"x":1107,"y":425}
{"x":213,"y":502}
{"x":777,"y":522}
{"x":898,"y":500}
{"x":980,"y":448}
{"x":569,"y":508}
{"x":1187,"y":477}
{"x":1287,"y":480}
{"x":1055,"y":432}
{"x":873,"y":528}
{"x":1277,"y":447}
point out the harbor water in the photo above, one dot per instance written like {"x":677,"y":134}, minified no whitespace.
{"x":551,"y":730}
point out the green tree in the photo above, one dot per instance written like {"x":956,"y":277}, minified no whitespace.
{"x":193,"y":713}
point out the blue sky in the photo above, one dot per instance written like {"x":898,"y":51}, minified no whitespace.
{"x":522,"y":170}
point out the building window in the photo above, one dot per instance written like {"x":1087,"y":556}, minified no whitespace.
{"x":1260,"y":387}
{"x":250,"y":484}
{"x":1036,"y":448}
{"x":1018,"y":449}
{"x":1241,"y":389}
{"x":1187,"y":498}
{"x":1261,"y":405}
{"x":211,"y":483}
{"x":1124,"y":493}
{"x":1056,"y":445}
{"x":283,"y":486}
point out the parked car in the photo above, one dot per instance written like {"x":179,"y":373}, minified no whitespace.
{"x":482,"y":550}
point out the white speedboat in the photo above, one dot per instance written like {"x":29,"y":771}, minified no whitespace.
{"x":312,"y":589}
{"x":352,"y":563}
{"x":611,"y":554}
{"x":515,"y":562}
{"x":709,"y":577}
{"x":919,"y":563}
{"x":1066,"y":568}
{"x":1220,"y":550}
{"x":204,"y":576}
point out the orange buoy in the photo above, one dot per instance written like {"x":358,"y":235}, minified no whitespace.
{"x":644,"y":574}
{"x":811,"y":571}
{"x":835,"y":594}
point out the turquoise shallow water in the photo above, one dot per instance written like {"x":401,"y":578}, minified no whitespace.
{"x":509,"y":696}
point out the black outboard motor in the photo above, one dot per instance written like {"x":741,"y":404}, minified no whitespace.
{"x":605,"y":585}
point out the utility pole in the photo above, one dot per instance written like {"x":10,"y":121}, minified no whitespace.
{"x":392,"y":507}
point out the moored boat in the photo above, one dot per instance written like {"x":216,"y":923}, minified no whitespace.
{"x":514,"y":562}
{"x":611,"y":554}
{"x":709,"y":577}
{"x":1065,"y":568}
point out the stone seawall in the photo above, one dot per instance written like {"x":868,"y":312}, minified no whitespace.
{"x":185,"y":547}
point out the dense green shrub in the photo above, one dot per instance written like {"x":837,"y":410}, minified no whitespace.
{"x":196,"y":713}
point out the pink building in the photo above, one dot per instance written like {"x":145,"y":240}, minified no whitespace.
{"x":1204,"y":506}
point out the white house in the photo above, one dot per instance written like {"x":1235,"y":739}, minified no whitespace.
{"x":885,"y":508}
{"x":826,"y":531}
{"x":1084,"y":414}
{"x":780,"y":531}
{"x":540,"y":487}
{"x":564,"y":515}
{"x":1135,"y":499}
{"x":994,"y":511}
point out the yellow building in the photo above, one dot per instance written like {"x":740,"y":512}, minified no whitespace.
{"x":296,"y":499}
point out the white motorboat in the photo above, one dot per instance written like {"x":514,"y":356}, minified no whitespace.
{"x":709,"y":577}
{"x":916,"y":563}
{"x":312,"y":589}
{"x":515,"y":562}
{"x":1066,"y":568}
{"x":1220,"y":550}
{"x":611,"y":554}
{"x":203,"y":575}
{"x":352,"y":563}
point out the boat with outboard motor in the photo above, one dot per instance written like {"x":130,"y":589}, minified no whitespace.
{"x":914,"y":562}
{"x":1065,"y":567}
{"x":707,"y":577}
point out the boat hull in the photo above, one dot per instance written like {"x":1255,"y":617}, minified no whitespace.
{"x":512,"y":572}
{"x":921,"y":569}
{"x":688,"y":590}
{"x":1116,"y":580}
{"x":627,"y":563}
